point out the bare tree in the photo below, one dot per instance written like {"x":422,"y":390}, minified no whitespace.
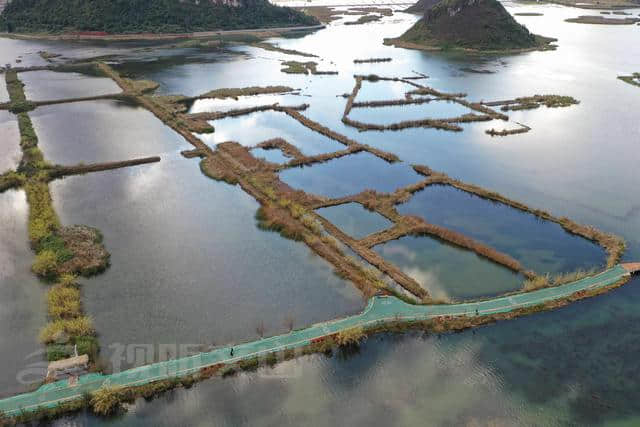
{"x":289,"y":321}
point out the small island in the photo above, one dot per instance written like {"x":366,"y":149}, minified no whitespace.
{"x":470,"y":25}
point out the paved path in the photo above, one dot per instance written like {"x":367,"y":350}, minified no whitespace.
{"x":378,"y":310}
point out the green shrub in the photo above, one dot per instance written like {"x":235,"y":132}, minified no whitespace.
{"x":58,"y":351}
{"x":105,"y":401}
{"x":45,"y":264}
{"x":77,"y":327}
{"x":63,"y":302}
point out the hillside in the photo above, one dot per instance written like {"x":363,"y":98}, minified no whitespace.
{"x":483,"y":25}
{"x":152,"y":16}
{"x":421,"y":6}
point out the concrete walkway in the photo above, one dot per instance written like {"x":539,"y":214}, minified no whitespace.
{"x":378,"y":311}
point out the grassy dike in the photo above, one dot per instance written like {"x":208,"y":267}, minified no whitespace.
{"x":57,"y":248}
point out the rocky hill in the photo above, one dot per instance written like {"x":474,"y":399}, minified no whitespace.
{"x":421,"y":6}
{"x":153,"y":16}
{"x":483,"y":25}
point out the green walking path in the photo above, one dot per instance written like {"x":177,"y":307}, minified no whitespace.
{"x":378,"y":311}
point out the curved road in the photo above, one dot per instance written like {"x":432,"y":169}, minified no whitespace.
{"x":378,"y":311}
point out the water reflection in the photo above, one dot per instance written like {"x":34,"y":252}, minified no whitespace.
{"x":446,"y":271}
{"x":540,"y":245}
{"x":254,"y":128}
{"x":10,"y":153}
{"x":350,"y":175}
{"x":101,"y":131}
{"x":50,"y":85}
{"x":22,"y":308}
{"x":189,"y":264}
{"x":355,"y":220}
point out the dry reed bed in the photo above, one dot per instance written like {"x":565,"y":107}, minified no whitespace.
{"x":217,"y":115}
{"x":323,"y":130}
{"x":321,"y":158}
{"x":61,"y":171}
{"x":287,"y":149}
{"x":371,"y":60}
{"x":235,"y":93}
{"x":506,"y":132}
{"x":274,"y":48}
{"x":377,"y":261}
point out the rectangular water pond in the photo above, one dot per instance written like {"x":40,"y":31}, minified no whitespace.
{"x":446,"y":271}
{"x":22,"y":300}
{"x":539,"y":245}
{"x":51,"y":85}
{"x":189,"y":265}
{"x":437,"y":109}
{"x":101,"y":131}
{"x":350,"y":175}
{"x":273,"y":155}
{"x":254,"y":128}
{"x":354,"y":219}
{"x":226,"y":104}
{"x":382,"y":90}
{"x":10,"y":153}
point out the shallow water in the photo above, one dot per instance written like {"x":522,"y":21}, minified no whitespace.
{"x":10,"y":153}
{"x":254,"y":128}
{"x":101,"y":131}
{"x":350,"y":175}
{"x":354,"y":219}
{"x":448,"y":272}
{"x":540,"y":245}
{"x":199,"y":275}
{"x":50,"y":85}
{"x":274,"y":155}
{"x":392,"y":114}
{"x":22,"y":299}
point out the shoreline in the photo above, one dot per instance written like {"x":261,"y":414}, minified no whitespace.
{"x":158,"y":36}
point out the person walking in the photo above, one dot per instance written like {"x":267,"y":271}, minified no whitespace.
{"x":231,"y":351}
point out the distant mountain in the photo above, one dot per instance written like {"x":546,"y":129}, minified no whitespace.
{"x":422,"y":6}
{"x":469,"y":24}
{"x":153,"y":16}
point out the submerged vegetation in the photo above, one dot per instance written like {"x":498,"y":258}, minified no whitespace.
{"x":602,"y":20}
{"x":633,"y":79}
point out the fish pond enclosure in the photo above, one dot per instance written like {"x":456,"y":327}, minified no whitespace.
{"x":180,"y":210}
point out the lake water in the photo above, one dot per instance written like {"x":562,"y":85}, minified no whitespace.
{"x":22,"y":299}
{"x":574,"y":366}
{"x":50,"y":85}
{"x":355,"y":220}
{"x":448,"y":272}
{"x":389,"y":115}
{"x":10,"y":153}
{"x":254,"y":128}
{"x":101,"y":131}
{"x":350,"y":175}
{"x":189,"y":266}
{"x":539,"y":245}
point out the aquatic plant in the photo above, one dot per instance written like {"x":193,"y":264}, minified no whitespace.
{"x":106,"y":400}
{"x":64,"y":328}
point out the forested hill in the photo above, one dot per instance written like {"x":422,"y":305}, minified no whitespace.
{"x":471,"y":24}
{"x":153,"y":16}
